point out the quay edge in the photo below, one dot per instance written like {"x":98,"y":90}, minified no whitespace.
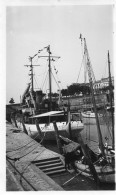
{"x":39,"y":181}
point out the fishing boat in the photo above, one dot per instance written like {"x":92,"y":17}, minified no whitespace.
{"x":105,"y":163}
{"x":47,"y":128}
{"x":46,"y":113}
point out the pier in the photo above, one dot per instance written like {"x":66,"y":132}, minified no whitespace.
{"x":32,"y":167}
{"x":22,"y":174}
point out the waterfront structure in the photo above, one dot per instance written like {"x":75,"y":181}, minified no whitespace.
{"x":104,"y":82}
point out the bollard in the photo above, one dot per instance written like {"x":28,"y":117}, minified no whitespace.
{"x":69,"y":124}
{"x":12,"y":118}
{"x":57,"y":137}
{"x":70,"y":132}
{"x":38,"y":128}
{"x":24,"y":128}
{"x":15,"y":122}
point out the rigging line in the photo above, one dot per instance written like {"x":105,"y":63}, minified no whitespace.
{"x":45,"y":71}
{"x":35,"y":60}
{"x":55,"y":80}
{"x":27,"y":144}
{"x":93,"y":148}
{"x":93,"y":140}
{"x":41,"y":74}
{"x":44,"y":87}
{"x":43,"y":137}
{"x":24,"y":145}
{"x":78,"y":174}
{"x":37,"y":155}
{"x":80,"y":68}
{"x":30,"y":163}
{"x":36,"y":82}
{"x":21,"y":151}
{"x":58,"y":77}
{"x":18,"y":158}
{"x":22,"y":176}
{"x":104,"y":75}
{"x":106,"y":119}
{"x":45,"y":79}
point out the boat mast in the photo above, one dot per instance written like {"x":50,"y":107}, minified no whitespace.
{"x":111,"y":93}
{"x":90,"y":73}
{"x":50,"y":58}
{"x":31,"y":69}
{"x":31,"y":74}
{"x":50,"y":83}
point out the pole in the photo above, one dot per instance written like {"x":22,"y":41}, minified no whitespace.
{"x":69,"y":117}
{"x":93,"y":99}
{"x":24,"y":128}
{"x":111,"y":93}
{"x":69,"y":123}
{"x":50,"y":57}
{"x":86,"y":154}
{"x":31,"y":94}
{"x":50,"y":86}
{"x":31,"y":74}
{"x":97,"y":122}
{"x":57,"y":137}
{"x":38,"y":128}
{"x":15,"y":122}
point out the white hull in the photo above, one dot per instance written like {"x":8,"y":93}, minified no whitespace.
{"x":89,"y":114}
{"x":105,"y":174}
{"x":48,"y":130}
{"x":89,"y":117}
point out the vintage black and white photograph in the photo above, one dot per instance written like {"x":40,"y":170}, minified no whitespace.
{"x":59,"y":117}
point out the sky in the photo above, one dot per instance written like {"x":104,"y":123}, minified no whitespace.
{"x":31,"y":28}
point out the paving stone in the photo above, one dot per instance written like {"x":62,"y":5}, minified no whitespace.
{"x":19,"y":145}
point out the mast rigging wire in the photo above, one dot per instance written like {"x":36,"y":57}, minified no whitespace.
{"x":58,"y":77}
{"x":45,"y":80}
{"x":56,"y":81}
{"x":80,"y":68}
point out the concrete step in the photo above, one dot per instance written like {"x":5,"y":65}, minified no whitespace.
{"x":56,"y":172}
{"x":47,"y":162}
{"x":46,"y":159}
{"x":52,"y":168}
{"x":50,"y":165}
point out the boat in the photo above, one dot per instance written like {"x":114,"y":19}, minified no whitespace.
{"x":88,"y":117}
{"x":89,"y":114}
{"x":47,"y":114}
{"x":105,"y":163}
{"x":105,"y":173}
{"x":47,"y":128}
{"x":109,"y":108}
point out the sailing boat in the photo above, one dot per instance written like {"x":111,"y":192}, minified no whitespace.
{"x":105,"y":163}
{"x":46,"y":117}
{"x":89,"y":117}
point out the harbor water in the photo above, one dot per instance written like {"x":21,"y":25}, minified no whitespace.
{"x":90,"y":133}
{"x":90,"y":136}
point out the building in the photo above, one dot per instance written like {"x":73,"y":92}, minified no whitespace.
{"x":104,"y":82}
